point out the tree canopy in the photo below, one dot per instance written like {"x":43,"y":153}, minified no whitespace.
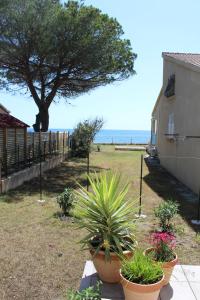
{"x":54,"y":50}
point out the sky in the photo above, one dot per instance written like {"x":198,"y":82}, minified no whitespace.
{"x":152,"y":27}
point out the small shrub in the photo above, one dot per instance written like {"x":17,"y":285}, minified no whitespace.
{"x":65,"y":200}
{"x":165,"y":212}
{"x":90,"y":293}
{"x":163,"y":244}
{"x":141,"y":269}
{"x":180,"y":229}
{"x":197,"y":238}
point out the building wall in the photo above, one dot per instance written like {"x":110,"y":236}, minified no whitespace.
{"x":180,"y":154}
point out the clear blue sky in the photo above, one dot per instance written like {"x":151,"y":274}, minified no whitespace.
{"x":152,"y":26}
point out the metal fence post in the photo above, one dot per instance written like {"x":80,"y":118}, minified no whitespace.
{"x":57,"y":138}
{"x":18,"y":156}
{"x":44,"y":150}
{"x":6,"y":161}
{"x":63,"y":144}
{"x":0,"y":176}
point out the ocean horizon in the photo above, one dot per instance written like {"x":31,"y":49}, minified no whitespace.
{"x":116,"y":136}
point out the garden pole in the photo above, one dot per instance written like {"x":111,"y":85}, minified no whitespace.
{"x":40,"y":154}
{"x":141,"y":175}
{"x":88,"y":169}
{"x":140,"y":215}
{"x":41,"y":201}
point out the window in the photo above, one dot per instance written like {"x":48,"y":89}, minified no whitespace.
{"x":171,"y":124}
{"x":170,"y":89}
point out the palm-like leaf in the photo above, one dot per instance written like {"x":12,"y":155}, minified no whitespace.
{"x":106,"y":214}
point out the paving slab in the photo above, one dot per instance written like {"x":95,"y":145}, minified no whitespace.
{"x":192,"y":273}
{"x":184,"y":284}
{"x":130,"y":148}
{"x":196,"y":289}
{"x":177,"y":291}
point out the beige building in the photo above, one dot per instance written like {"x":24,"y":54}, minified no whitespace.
{"x":176,"y":118}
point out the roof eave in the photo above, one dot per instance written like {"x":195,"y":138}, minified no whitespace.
{"x":181,"y":63}
{"x":4,"y":108}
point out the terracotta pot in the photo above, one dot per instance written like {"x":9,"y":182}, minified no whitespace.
{"x":168,"y":267}
{"x":135,"y":291}
{"x":108,"y":271}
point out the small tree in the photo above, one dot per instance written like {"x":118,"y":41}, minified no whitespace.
{"x":83,"y":136}
{"x":165,"y":212}
{"x":51,"y":50}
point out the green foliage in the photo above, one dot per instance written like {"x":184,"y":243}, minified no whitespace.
{"x":180,"y":229}
{"x":197,"y":238}
{"x":83,"y":135}
{"x":141,"y":269}
{"x":106,"y":214}
{"x":51,"y":49}
{"x":165,"y":212}
{"x":90,"y":293}
{"x":65,"y":200}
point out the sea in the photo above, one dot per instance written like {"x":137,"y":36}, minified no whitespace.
{"x":114,"y":136}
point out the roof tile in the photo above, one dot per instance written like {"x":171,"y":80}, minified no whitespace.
{"x":8,"y":121}
{"x":190,"y":58}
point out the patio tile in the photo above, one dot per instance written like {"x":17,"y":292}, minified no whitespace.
{"x":192,"y":272}
{"x":112,"y":291}
{"x":178,"y":274}
{"x":89,"y":269}
{"x":177,"y":291}
{"x":196,"y":289}
{"x":89,"y":275}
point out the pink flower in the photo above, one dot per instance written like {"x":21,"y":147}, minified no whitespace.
{"x":159,"y":239}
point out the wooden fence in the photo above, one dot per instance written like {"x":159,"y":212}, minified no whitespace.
{"x":20,"y":149}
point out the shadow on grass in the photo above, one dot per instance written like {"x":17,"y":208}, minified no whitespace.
{"x":67,"y":174}
{"x":168,"y":187}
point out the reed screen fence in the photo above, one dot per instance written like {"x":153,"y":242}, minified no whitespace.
{"x":20,"y":149}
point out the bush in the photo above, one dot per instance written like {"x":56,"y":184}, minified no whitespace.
{"x":90,"y":293}
{"x":65,"y":200}
{"x":141,"y":269}
{"x":165,"y":212}
{"x":83,"y":136}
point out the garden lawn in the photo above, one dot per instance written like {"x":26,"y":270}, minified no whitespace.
{"x":39,"y":254}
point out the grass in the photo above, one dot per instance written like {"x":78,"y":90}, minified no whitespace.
{"x":40,"y":254}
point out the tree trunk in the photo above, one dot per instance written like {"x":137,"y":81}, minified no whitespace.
{"x":42,"y":120}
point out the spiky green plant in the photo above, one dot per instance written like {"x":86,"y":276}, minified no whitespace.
{"x":141,"y":269}
{"x":107,"y":214}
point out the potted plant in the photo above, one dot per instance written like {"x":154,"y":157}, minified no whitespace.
{"x":163,"y":251}
{"x":108,"y":216}
{"x":163,"y":240}
{"x":141,"y":278}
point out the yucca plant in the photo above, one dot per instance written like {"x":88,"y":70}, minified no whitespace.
{"x":106,"y":214}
